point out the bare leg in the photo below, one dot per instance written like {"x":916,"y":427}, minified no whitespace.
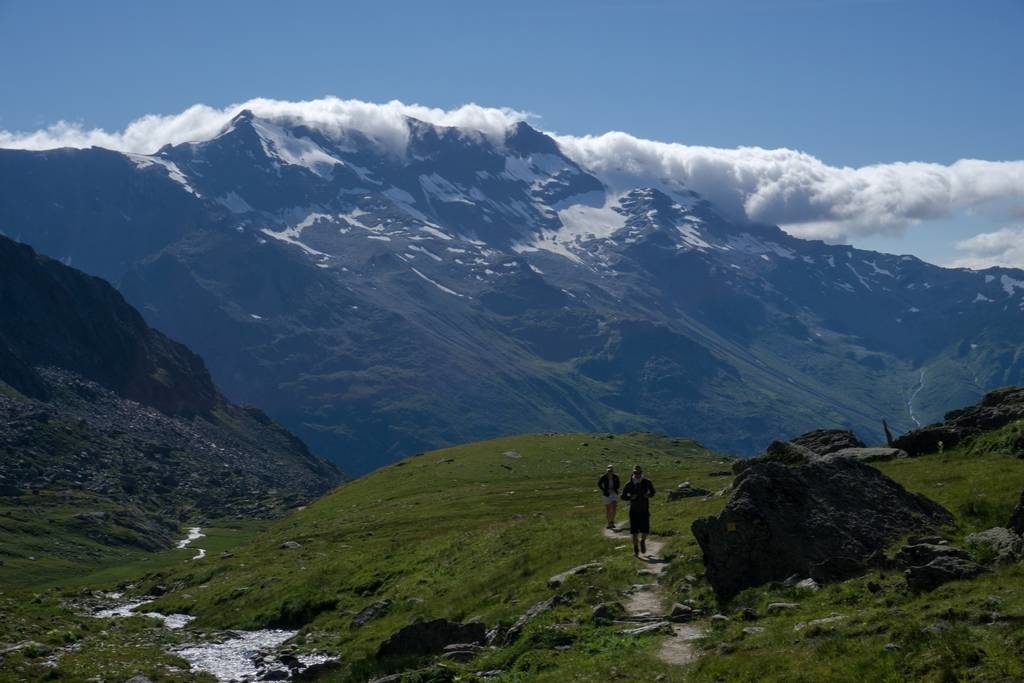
{"x":609,"y":513}
{"x":643,"y":543}
{"x":614,"y":506}
{"x":636,"y":547}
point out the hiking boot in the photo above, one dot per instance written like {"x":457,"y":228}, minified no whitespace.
{"x":611,"y":525}
{"x":643,"y":546}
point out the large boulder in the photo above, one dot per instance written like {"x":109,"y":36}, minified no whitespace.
{"x":829,"y":519}
{"x":782,"y":452}
{"x":422,"y":638}
{"x":996,"y":409}
{"x":876,"y":454}
{"x":825,"y":441}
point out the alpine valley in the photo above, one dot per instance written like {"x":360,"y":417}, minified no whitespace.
{"x":383,"y":297}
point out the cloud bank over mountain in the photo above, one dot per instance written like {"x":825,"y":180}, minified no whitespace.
{"x":1003,"y":247}
{"x":807,"y":196}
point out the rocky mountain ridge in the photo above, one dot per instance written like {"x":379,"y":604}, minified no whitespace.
{"x":344,"y":283}
{"x":117,"y":432}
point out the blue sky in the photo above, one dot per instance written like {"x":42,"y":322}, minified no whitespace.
{"x":852,"y":82}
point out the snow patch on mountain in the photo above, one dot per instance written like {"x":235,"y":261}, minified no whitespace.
{"x":173,"y":172}
{"x":437,"y":284}
{"x":279,"y":143}
{"x":1010,"y":285}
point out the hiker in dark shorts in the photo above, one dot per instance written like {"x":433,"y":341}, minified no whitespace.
{"x":609,"y":485}
{"x":638,"y":491}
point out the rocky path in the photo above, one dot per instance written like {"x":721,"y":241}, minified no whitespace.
{"x":646,"y":603}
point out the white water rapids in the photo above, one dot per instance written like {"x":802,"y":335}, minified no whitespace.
{"x":236,"y":655}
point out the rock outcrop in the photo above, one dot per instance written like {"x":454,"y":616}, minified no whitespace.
{"x":828,"y":519}
{"x":877,"y":454}
{"x":782,"y":452}
{"x":825,"y":441}
{"x":996,"y":409}
{"x":430,"y":638}
{"x":942,"y":569}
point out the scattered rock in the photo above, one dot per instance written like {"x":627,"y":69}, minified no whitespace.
{"x":807,"y":585}
{"x":776,"y":607}
{"x":827,"y":520}
{"x":891,"y":647}
{"x":816,"y":626}
{"x":144,"y":679}
{"x":430,"y":637}
{"x":1005,"y":545}
{"x":558,"y":579}
{"x":826,"y":441}
{"x":606,"y":611}
{"x":516,"y":630}
{"x":29,"y":648}
{"x":291,"y":545}
{"x":654,"y":627}
{"x":753,"y":630}
{"x":461,"y":652}
{"x":942,"y":569}
{"x":680,"y":613}
{"x":687,"y":490}
{"x":370,"y":612}
{"x":719,"y":619}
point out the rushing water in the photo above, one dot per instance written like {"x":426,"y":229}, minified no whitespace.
{"x":194,"y":534}
{"x":237,"y":655}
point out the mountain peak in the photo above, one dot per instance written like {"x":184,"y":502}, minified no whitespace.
{"x":524,"y":139}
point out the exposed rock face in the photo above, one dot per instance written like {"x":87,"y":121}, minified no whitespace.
{"x":869,"y":454}
{"x":106,"y":408}
{"x":55,"y":316}
{"x":996,"y":409}
{"x":825,"y":441}
{"x":827,"y":519}
{"x":430,"y":637}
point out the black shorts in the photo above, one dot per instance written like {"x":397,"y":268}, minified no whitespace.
{"x":640,"y":521}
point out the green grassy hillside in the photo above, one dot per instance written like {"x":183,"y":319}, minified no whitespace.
{"x":474,"y":532}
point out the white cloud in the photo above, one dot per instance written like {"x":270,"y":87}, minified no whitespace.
{"x":1000,"y":248}
{"x":800,"y":192}
{"x":796,"y":190}
{"x":383,"y":122}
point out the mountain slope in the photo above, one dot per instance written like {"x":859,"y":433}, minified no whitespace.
{"x":477,"y":532}
{"x":344,"y":284}
{"x":117,"y":432}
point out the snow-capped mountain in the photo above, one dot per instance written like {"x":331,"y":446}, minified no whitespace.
{"x":381,"y":298}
